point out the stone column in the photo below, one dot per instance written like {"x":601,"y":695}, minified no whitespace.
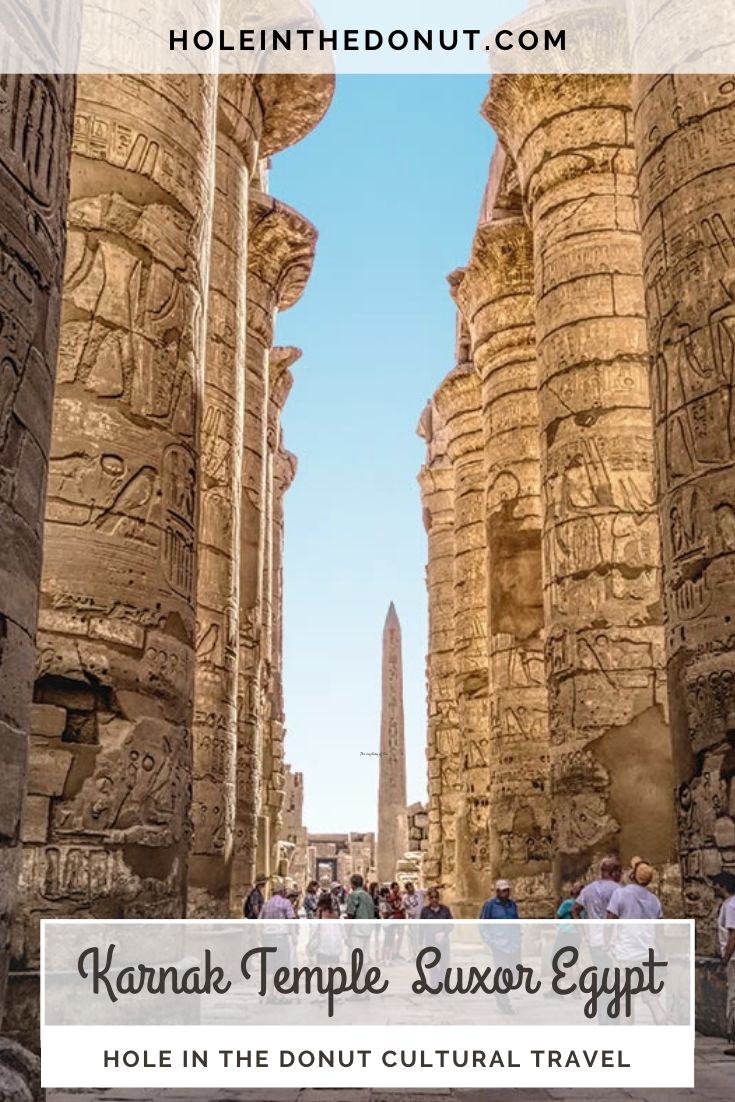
{"x":35,"y":141}
{"x":437,"y":497}
{"x":496,"y":298}
{"x":280,"y":255}
{"x":464,"y":804}
{"x":570,"y":137}
{"x":239,"y":125}
{"x":283,"y":470}
{"x":684,"y":128}
{"x":106,"y":827}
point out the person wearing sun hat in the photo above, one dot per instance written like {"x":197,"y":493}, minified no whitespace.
{"x":635,"y":900}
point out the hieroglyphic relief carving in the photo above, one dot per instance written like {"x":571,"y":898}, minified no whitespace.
{"x":685,"y":141}
{"x":496,"y":298}
{"x":239,"y":125}
{"x":464,"y":803}
{"x":117,"y":621}
{"x":604,"y":646}
{"x":280,"y":255}
{"x":436,"y":480}
{"x":35,"y":143}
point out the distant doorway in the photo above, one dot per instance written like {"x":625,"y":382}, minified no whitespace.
{"x":326,"y":869}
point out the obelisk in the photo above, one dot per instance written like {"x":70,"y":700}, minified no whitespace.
{"x":392,"y":823}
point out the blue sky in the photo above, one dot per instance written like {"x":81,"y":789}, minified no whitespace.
{"x":393,"y":179}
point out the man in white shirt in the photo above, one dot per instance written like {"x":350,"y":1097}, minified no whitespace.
{"x":724,"y":884}
{"x":594,"y":897}
{"x":635,"y":900}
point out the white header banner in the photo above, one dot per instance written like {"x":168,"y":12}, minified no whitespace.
{"x":379,"y":36}
{"x":422,"y":1003}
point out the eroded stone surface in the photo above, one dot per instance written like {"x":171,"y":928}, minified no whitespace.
{"x":686,"y":160}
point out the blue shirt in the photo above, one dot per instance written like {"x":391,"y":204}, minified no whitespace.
{"x":499,"y":908}
{"x":502,"y":939}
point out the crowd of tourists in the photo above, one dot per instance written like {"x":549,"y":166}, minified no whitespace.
{"x":614,"y":894}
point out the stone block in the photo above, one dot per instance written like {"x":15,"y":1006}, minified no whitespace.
{"x":48,"y":720}
{"x":34,"y":824}
{"x":48,"y":770}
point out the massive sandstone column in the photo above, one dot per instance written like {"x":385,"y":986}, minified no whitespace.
{"x":392,"y":821}
{"x":570,"y":137}
{"x":684,"y":128}
{"x":280,"y":254}
{"x":239,"y":127}
{"x":437,"y":496}
{"x":35,"y":140}
{"x":496,"y":298}
{"x":106,"y":824}
{"x":464,"y":803}
{"x":282,"y":469}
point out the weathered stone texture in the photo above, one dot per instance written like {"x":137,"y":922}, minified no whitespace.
{"x":116,"y":627}
{"x":571,"y":139}
{"x":464,"y":796}
{"x":35,"y":142}
{"x":685,"y":139}
{"x":437,"y":495}
{"x":280,"y":254}
{"x":239,"y":125}
{"x":496,"y":298}
{"x":392,"y":823}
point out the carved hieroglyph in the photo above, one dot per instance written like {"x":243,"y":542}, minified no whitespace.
{"x":496,"y":298}
{"x":437,"y":496}
{"x":685,"y":140}
{"x":107,"y":814}
{"x":392,"y":822}
{"x":464,"y":756}
{"x":280,"y":255}
{"x":35,"y":144}
{"x":239,"y":124}
{"x":282,"y":471}
{"x":571,"y":139}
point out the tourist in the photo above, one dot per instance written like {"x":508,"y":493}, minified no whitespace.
{"x":398,"y":909}
{"x":293,"y":897}
{"x":374,"y":891}
{"x":595,"y":896}
{"x":504,"y":939}
{"x":278,"y":906}
{"x":566,"y":907}
{"x":359,"y":903}
{"x":434,"y":908}
{"x":501,"y":905}
{"x":328,"y":938}
{"x":413,"y":901}
{"x":635,"y":899}
{"x":724,"y":884}
{"x":336,"y":892}
{"x":311,"y":897}
{"x":254,"y":900}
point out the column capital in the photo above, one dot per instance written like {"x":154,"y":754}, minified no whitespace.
{"x":280,"y":380}
{"x":240,"y":114}
{"x":285,"y":466}
{"x":541,"y":116}
{"x":501,"y":264}
{"x":458,"y":400}
{"x":292,"y":105}
{"x":280,"y":248}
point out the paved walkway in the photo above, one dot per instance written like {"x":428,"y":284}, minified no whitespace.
{"x":715,"y":1082}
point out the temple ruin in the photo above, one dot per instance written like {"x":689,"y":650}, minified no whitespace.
{"x":589,"y":411}
{"x":578,"y":496}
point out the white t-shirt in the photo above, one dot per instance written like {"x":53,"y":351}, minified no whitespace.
{"x":725,"y":922}
{"x":635,"y":901}
{"x":595,"y":897}
{"x":632,"y":942}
